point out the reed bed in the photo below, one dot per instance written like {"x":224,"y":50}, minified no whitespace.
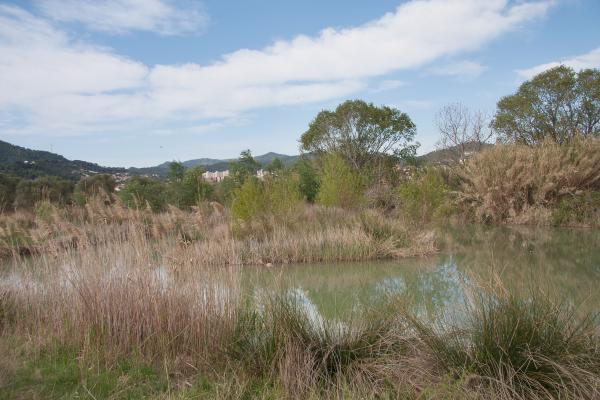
{"x":206,"y":337}
{"x":213,"y":236}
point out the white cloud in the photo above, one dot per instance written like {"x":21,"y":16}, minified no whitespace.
{"x":583,"y":61}
{"x":465,"y":69}
{"x":118,"y":16}
{"x":63,"y":86}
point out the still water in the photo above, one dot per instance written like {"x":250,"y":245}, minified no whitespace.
{"x":564,"y":263}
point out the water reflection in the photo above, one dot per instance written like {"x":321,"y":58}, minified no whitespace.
{"x":561,"y":262}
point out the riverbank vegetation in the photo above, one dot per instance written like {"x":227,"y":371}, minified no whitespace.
{"x":155,"y":324}
{"x":132,"y":290}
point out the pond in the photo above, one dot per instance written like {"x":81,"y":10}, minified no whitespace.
{"x":564,"y":263}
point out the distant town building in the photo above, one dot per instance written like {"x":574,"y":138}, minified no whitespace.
{"x":216,"y":176}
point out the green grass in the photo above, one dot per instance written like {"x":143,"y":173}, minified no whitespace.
{"x":59,"y":374}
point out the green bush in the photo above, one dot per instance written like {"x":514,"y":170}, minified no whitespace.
{"x":424,"y":197}
{"x":340,"y":185}
{"x":141,"y":191}
{"x":249,"y":200}
{"x":276,"y":195}
{"x":93,"y":186}
{"x":8,"y":186}
{"x":308,"y":180}
{"x":48,"y":188}
{"x":190,"y":190}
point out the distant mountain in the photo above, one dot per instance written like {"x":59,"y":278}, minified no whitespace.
{"x":27,"y":163}
{"x":212,"y":164}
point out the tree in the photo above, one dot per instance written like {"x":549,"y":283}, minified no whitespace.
{"x":557,"y":104}
{"x":308,"y":180}
{"x":275,"y":165}
{"x":176,"y":171}
{"x":244,"y":167}
{"x":140,"y":191}
{"x":462,"y":130}
{"x":341,"y":185}
{"x":361,"y":133}
{"x":191,"y":189}
{"x":94,"y":185}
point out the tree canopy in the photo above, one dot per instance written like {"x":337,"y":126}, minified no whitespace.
{"x":557,"y":104}
{"x":361,"y":133}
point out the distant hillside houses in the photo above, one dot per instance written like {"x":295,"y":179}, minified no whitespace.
{"x":218,"y":176}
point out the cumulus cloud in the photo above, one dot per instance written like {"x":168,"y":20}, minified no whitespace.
{"x":61,"y":85}
{"x":465,"y":69}
{"x":583,"y":61}
{"x":118,"y":16}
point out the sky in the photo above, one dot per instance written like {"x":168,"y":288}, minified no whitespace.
{"x":140,"y":82}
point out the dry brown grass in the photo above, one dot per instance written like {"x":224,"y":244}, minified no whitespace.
{"x":314,"y":234}
{"x":521,"y":184}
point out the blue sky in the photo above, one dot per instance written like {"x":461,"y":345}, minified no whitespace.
{"x":139,"y":82}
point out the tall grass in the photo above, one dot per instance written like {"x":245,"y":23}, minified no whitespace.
{"x":523,"y":184}
{"x":122,"y":301}
{"x":310,"y":234}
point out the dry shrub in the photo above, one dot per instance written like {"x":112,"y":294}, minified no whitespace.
{"x":515,"y":183}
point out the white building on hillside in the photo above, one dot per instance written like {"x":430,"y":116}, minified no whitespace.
{"x":216,"y":176}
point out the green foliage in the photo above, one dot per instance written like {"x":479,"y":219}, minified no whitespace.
{"x":224,"y":191}
{"x":56,"y":374}
{"x":308,"y":180}
{"x":277,"y":196}
{"x":558,"y":104}
{"x":424,"y":197}
{"x":246,"y":166}
{"x":50,"y":188}
{"x":8,"y":186}
{"x":275,"y":165}
{"x":249,"y":200}
{"x":93,"y":186}
{"x":139,"y":192}
{"x":340,"y":185}
{"x":361,"y":133}
{"x":190,"y":189}
{"x":176,"y":171}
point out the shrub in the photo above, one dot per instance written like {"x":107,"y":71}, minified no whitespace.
{"x":277,"y":196}
{"x":340,"y":185}
{"x":48,"y":188}
{"x":424,"y":197}
{"x":308,"y":180}
{"x":93,"y":186}
{"x":190,"y":189}
{"x":249,"y":200}
{"x":8,"y":186}
{"x":506,"y":181}
{"x":141,"y":191}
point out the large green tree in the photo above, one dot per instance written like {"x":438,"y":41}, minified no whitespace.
{"x":557,"y":104}
{"x":362,"y":133}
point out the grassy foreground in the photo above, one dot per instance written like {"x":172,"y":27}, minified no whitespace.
{"x":140,"y":318}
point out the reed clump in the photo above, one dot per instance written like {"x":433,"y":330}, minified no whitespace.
{"x":525,"y":184}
